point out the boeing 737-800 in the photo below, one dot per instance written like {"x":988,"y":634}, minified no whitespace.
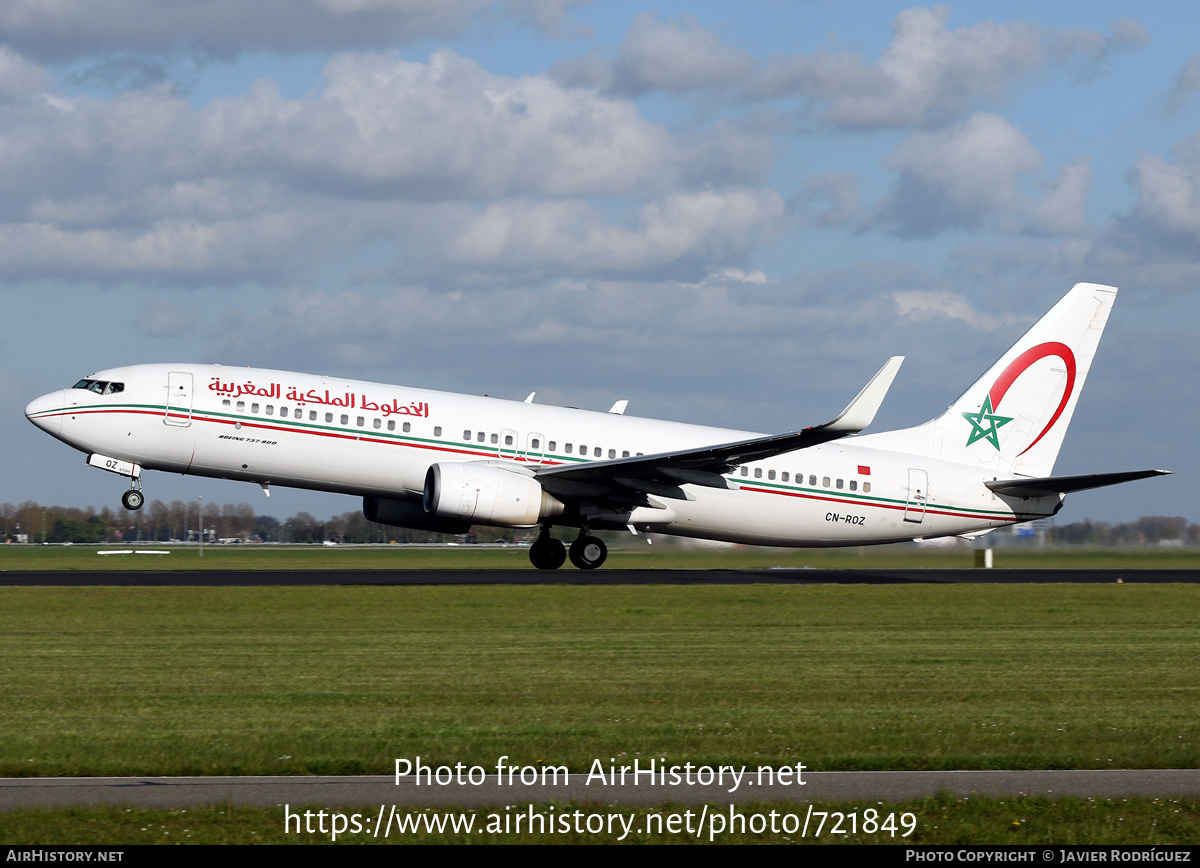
{"x":442,"y":462}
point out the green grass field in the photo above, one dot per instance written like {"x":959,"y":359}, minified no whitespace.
{"x":625,"y":553}
{"x":192,"y":680}
{"x":180,"y":680}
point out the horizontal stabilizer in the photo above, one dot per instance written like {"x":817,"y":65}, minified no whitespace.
{"x":1066,"y":484}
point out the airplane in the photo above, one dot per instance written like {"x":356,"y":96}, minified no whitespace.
{"x":442,"y":462}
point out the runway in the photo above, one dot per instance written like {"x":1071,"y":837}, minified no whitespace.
{"x":233,"y":578}
{"x":361,"y":790}
{"x":890,"y":786}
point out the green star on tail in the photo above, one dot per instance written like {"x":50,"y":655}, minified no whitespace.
{"x":985,"y":422}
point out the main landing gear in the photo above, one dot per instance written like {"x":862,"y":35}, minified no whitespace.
{"x":133,"y":498}
{"x":587,"y":552}
{"x":547,"y":553}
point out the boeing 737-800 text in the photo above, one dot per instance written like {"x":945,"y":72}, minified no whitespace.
{"x":442,"y":462}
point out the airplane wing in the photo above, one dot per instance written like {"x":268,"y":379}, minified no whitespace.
{"x":662,"y":474}
{"x":1066,"y":484}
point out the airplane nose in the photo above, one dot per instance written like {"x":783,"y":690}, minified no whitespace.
{"x":41,"y":412}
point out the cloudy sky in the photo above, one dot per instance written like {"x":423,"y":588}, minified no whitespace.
{"x":727,"y":213}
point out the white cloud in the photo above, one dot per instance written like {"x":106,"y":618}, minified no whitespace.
{"x":266,"y":187}
{"x":920,"y":305}
{"x":18,"y":77}
{"x":675,"y":56}
{"x":679,"y":231}
{"x":1169,"y":192}
{"x":59,"y":29}
{"x":1186,"y":83}
{"x":929,"y":74}
{"x":1063,"y":210}
{"x":960,"y":177}
{"x":386,"y":127}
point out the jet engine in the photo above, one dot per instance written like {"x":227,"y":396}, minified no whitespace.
{"x":402,"y":513}
{"x":475,"y":491}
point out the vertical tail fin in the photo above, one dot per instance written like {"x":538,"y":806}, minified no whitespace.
{"x":1013,"y":419}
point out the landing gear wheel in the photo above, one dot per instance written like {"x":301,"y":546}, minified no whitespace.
{"x":132,"y":499}
{"x":547,"y":553}
{"x":588,"y":552}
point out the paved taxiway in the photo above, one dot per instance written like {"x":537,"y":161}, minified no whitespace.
{"x":218,"y":578}
{"x":346,"y":791}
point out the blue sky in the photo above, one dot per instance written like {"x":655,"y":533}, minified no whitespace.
{"x":728,"y":213}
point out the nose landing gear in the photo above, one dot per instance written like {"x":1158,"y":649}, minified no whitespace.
{"x":133,"y":498}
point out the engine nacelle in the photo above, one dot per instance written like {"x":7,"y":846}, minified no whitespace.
{"x":403,"y":513}
{"x":475,"y":491}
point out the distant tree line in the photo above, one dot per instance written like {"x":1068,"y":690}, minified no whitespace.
{"x":179,"y":520}
{"x":1147,"y":530}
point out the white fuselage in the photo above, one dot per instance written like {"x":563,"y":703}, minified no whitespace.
{"x":374,"y":440}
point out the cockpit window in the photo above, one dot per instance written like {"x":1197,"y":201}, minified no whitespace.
{"x":100,"y":387}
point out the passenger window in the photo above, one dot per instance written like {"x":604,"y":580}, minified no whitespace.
{"x":345,"y":419}
{"x":254,"y":408}
{"x":745,"y":471}
{"x":408,"y":427}
{"x":770,"y":474}
{"x":437,"y":431}
{"x":360,"y":421}
{"x":597,"y":452}
{"x":866,"y":487}
{"x":612,"y":453}
{"x":494,"y":439}
{"x":328,"y":417}
{"x":312,"y":415}
{"x":552,"y":445}
{"x":467,"y":436}
{"x":783,"y":477}
{"x":283,"y":412}
{"x":480,"y":436}
{"x":825,"y":482}
{"x":241,"y":406}
{"x":854,"y":485}
{"x":839,"y":483}
{"x":376,"y":424}
{"x":534,"y":443}
{"x":391,"y":424}
{"x":299,"y":414}
{"x":270,"y":409}
{"x":758,"y":473}
{"x":625,"y":454}
{"x":225,"y":403}
{"x":582,"y":449}
{"x":812,"y":480}
{"x":508,"y":440}
{"x":568,"y":448}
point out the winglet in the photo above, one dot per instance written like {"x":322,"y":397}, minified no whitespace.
{"x":861,"y":411}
